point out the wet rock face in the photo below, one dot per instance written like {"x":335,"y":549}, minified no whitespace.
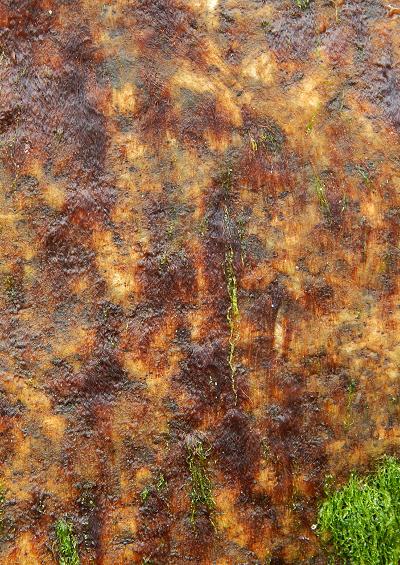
{"x":198,"y":237}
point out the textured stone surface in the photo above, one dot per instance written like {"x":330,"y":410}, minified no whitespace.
{"x":142,"y":141}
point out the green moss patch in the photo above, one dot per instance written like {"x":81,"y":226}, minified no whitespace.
{"x":67,"y":545}
{"x":145,"y":493}
{"x":303,"y":4}
{"x":361,"y":521}
{"x":201,"y":488}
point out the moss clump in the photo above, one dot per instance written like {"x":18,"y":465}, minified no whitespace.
{"x":361,"y":521}
{"x":144,"y":495}
{"x":161,"y":483}
{"x":232,"y":315}
{"x":201,"y":491}
{"x":67,"y":544}
{"x":303,"y":4}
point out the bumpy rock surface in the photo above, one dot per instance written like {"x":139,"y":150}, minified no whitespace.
{"x":200,"y":222}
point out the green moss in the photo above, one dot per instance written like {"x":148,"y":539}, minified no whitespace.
{"x":201,"y":486}
{"x":361,"y":521}
{"x":67,"y":544}
{"x":241,"y":228}
{"x":232,"y":314}
{"x":144,"y":495}
{"x":336,"y":6}
{"x":329,"y":484}
{"x":351,"y":389}
{"x":319,"y":188}
{"x":303,"y":4}
{"x":161,"y":483}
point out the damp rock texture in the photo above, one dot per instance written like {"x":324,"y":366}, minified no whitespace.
{"x":199,"y":274}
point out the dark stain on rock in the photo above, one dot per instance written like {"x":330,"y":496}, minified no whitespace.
{"x":292,"y":34}
{"x":8,"y":119}
{"x":165,"y":22}
{"x":294,"y":427}
{"x":157,"y":113}
{"x":26,"y":19}
{"x":66,"y":250}
{"x":382,"y":81}
{"x":238,"y":447}
{"x":204,"y":373}
{"x":137,"y":455}
{"x":10,"y":408}
{"x":89,"y":513}
{"x":168,"y":278}
{"x":59,"y":124}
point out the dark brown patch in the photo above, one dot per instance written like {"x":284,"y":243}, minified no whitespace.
{"x":238,"y":447}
